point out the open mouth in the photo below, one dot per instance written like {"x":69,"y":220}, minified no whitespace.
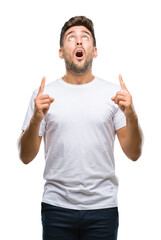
{"x":79,"y":54}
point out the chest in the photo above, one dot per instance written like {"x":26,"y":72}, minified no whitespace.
{"x":79,"y":108}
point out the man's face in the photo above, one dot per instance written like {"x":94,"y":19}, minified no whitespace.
{"x":78,"y":50}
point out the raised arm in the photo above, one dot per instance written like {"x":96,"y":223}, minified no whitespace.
{"x":130,"y":137}
{"x":29,"y":141}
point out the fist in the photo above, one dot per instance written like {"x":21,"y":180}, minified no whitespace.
{"x":42,"y":102}
{"x":124,"y":100}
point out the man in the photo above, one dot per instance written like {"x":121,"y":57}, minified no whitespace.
{"x":78,"y":116}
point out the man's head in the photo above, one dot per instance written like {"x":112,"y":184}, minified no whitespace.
{"x":78,"y":21}
{"x":78,"y":44}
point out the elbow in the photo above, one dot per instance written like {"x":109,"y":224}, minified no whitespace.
{"x":138,"y":152}
{"x":24,"y":162}
{"x":136,"y":156}
{"x":24,"y":159}
{"x":23,"y":154}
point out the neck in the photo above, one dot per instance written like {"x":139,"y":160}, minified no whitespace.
{"x":78,"y":78}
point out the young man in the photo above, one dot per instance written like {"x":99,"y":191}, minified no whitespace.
{"x":78,"y":115}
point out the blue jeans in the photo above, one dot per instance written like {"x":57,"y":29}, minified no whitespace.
{"x":68,"y":224}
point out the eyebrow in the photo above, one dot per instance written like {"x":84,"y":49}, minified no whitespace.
{"x":75,"y":32}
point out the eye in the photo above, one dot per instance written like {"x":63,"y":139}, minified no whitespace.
{"x":71,"y":38}
{"x":85,"y":37}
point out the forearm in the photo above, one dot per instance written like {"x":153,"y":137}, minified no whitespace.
{"x":132,"y":144}
{"x":29,"y":142}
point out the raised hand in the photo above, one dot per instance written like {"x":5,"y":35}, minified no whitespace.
{"x":124,"y":100}
{"x":42,"y":102}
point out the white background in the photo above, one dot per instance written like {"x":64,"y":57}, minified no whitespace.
{"x":129,"y":42}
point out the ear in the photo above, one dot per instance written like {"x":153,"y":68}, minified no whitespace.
{"x":95,"y":52}
{"x":61,"y":53}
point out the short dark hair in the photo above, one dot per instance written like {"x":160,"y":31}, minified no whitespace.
{"x":78,"y":21}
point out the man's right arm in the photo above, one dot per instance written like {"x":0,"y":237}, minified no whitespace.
{"x":29,"y":141}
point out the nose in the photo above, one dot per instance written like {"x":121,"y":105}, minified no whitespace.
{"x":79,"y":43}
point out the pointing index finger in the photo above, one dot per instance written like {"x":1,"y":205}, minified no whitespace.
{"x":123,"y":86}
{"x":41,"y":88}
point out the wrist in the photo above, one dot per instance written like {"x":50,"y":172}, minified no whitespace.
{"x":35,"y":121}
{"x":132,"y":118}
{"x":131,"y":114}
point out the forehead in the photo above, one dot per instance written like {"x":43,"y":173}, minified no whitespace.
{"x":77,"y":29}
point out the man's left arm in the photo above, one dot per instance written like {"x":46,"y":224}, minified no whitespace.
{"x":130,"y":137}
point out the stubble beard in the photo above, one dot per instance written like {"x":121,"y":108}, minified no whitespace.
{"x":76,"y":68}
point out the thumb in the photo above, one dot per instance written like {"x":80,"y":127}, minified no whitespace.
{"x":51,"y":99}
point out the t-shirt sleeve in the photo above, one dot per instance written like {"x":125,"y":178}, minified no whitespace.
{"x":29,"y":114}
{"x":119,"y":119}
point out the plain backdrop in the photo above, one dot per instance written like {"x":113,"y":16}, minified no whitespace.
{"x":129,"y":42}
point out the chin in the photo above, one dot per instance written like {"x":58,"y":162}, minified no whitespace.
{"x":79,"y":67}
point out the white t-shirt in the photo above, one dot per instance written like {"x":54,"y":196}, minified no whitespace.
{"x":79,"y":132}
